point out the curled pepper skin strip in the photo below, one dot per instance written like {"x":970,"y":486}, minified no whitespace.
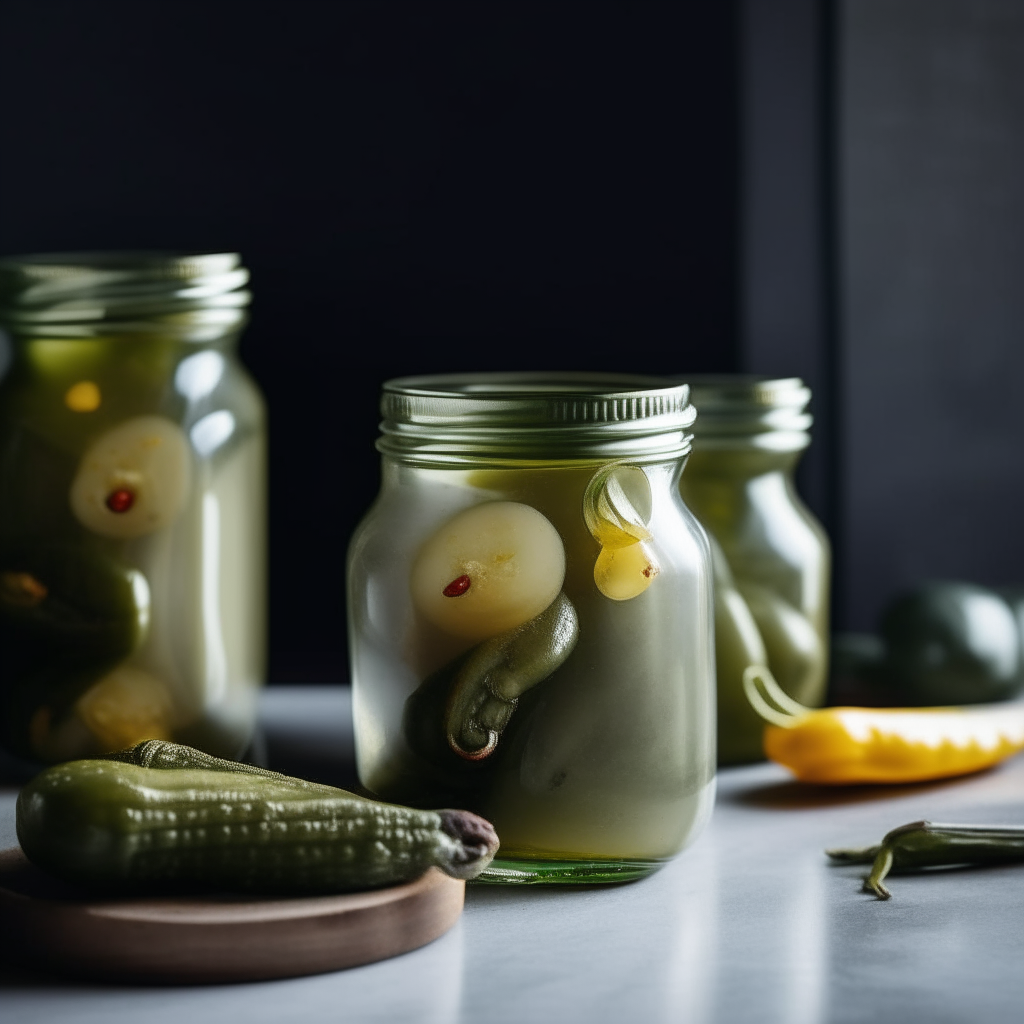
{"x":925,"y":844}
{"x":850,"y":746}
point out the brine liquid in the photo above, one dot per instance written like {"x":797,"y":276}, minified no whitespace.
{"x":612,"y":755}
{"x":206,"y":574}
{"x":148,"y":454}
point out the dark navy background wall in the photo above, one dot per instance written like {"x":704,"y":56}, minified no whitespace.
{"x":417,"y":187}
{"x":832,"y":188}
{"x":931,"y":160}
{"x":882,"y":258}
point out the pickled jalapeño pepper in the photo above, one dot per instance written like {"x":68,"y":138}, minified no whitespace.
{"x":926,"y":844}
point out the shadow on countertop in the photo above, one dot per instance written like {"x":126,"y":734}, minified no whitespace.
{"x":790,"y":795}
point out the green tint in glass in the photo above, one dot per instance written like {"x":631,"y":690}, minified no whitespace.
{"x":771,"y":556}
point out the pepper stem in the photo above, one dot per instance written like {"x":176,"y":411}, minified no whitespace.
{"x":769,"y":700}
{"x":881,"y":867}
{"x":861,"y":855}
{"x":475,"y":755}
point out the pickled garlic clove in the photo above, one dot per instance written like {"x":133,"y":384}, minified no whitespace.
{"x":126,"y":707}
{"x":488,"y":569}
{"x":624,"y":573}
{"x":134,"y":479}
{"x":617,"y":507}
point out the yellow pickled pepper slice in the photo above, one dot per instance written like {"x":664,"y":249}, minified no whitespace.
{"x":848,"y":745}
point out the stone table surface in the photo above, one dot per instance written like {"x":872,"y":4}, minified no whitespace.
{"x":750,"y":924}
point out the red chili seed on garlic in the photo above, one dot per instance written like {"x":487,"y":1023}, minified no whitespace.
{"x":120,"y":500}
{"x":457,"y":587}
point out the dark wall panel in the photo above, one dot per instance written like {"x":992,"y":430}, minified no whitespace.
{"x":785,"y":243}
{"x":932,"y":178}
{"x":418,"y":187}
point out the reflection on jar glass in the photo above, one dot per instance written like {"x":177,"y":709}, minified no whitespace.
{"x":131,"y":505}
{"x":530,"y":619}
{"x":771,"y":557}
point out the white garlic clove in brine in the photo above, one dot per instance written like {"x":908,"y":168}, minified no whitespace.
{"x":134,"y":479}
{"x":488,"y":569}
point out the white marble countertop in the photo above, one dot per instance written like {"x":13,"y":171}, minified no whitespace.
{"x":750,"y":924}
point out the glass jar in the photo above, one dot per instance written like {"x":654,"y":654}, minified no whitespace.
{"x":771,"y":556}
{"x":530,"y":615}
{"x":132,"y":507}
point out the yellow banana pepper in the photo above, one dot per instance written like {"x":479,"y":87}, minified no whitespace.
{"x":847,"y":746}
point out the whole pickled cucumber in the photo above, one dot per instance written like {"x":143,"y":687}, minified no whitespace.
{"x":123,"y":826}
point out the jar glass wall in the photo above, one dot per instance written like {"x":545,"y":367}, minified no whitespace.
{"x":132,"y":523}
{"x":772,"y":560}
{"x":530,"y":620}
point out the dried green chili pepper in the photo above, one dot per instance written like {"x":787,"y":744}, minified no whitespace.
{"x":925,"y":844}
{"x":454,"y":720}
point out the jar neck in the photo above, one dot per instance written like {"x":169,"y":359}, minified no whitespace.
{"x":395,"y":471}
{"x":740,"y":463}
{"x":751,"y":414}
{"x":139,"y":368}
{"x":22,"y":341}
{"x":194,"y":298}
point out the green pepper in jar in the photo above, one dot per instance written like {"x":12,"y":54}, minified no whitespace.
{"x":496,"y":673}
{"x":749,"y":436}
{"x":487,"y":584}
{"x":454,"y":721}
{"x":67,"y":616}
{"x":67,"y":390}
{"x":738,"y":645}
{"x":795,"y":651}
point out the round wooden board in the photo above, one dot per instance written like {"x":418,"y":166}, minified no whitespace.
{"x":197,"y":940}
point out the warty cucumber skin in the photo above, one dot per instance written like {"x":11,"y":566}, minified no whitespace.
{"x":123,"y":826}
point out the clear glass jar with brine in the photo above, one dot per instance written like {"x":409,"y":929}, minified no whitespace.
{"x":132,"y":507}
{"x":771,"y":556}
{"x":530,"y":615}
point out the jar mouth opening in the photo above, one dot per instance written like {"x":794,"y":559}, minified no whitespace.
{"x":502,"y":417}
{"x":748,"y":409}
{"x":529,"y":383}
{"x":135,"y":262}
{"x":188,"y":295}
